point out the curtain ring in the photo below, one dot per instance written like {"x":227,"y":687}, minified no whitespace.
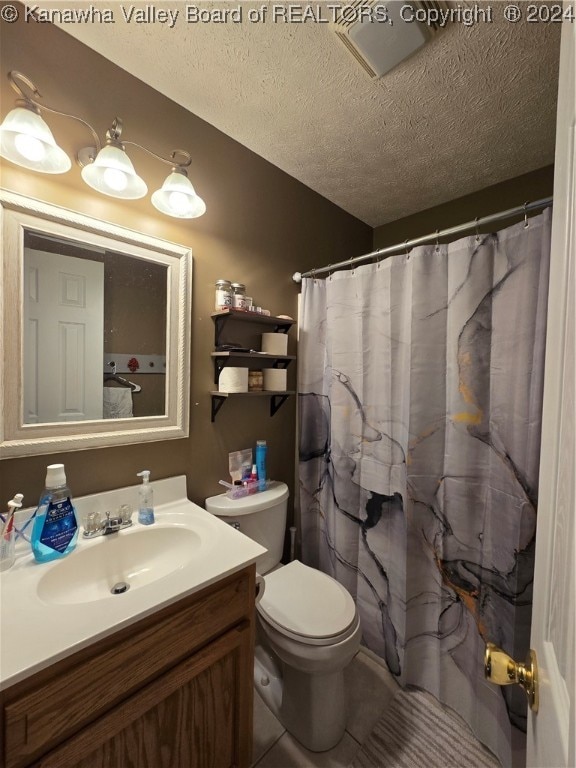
{"x":406,"y":247}
{"x":526,"y":225}
{"x":329,"y":273}
{"x":437,"y":243}
{"x":378,"y":258}
{"x":313,"y":273}
{"x":476,"y":226}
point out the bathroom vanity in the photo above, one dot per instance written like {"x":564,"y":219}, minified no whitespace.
{"x":165,"y":684}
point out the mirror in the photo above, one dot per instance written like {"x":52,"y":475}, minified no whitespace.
{"x":97,"y":332}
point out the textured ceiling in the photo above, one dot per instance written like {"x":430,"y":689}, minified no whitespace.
{"x":473,"y":107}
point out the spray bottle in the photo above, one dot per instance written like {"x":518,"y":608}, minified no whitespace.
{"x":146,"y":497}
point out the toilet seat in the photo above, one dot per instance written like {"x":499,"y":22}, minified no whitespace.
{"x":307,"y":605}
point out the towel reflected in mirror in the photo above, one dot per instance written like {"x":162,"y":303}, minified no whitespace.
{"x":117,"y":403}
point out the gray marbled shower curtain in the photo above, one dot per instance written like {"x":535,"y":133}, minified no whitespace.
{"x":420,"y":406}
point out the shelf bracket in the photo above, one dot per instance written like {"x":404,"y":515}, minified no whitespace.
{"x":219,"y":323}
{"x":276,"y":401}
{"x":217,"y":403}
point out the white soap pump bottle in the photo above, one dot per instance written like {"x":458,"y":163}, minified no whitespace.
{"x":146,"y":496}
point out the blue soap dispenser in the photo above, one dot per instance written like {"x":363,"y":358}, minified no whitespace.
{"x":146,"y":499}
{"x":55,"y":528}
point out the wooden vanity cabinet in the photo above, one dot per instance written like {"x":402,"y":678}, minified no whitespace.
{"x":171,"y":691}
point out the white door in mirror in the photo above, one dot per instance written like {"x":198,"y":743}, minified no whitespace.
{"x":64,"y":313}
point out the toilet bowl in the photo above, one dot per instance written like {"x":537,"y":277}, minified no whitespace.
{"x":308,"y":629}
{"x":310,"y":622}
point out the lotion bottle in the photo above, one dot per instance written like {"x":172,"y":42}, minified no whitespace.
{"x":146,"y":499}
{"x":55,"y":524}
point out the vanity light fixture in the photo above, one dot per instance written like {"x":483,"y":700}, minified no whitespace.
{"x":109,"y":170}
{"x":25,"y":139}
{"x":177,"y":196}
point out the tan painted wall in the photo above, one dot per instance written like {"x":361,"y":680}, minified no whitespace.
{"x":500,"y":197}
{"x":261,"y":226}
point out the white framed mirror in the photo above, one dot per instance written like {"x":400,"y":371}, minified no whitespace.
{"x":96,"y":339}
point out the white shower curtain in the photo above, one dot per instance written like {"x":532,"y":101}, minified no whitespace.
{"x":420,"y":405}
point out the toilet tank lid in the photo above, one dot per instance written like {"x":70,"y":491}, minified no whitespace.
{"x":223,"y":506}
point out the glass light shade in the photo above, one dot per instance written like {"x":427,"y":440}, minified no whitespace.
{"x":112,"y":173}
{"x":26,"y":140}
{"x":177,"y":198}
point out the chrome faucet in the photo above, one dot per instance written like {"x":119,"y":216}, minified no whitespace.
{"x":95,"y":526}
{"x":111,"y":524}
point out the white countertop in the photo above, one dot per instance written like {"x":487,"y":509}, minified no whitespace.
{"x":36,"y":631}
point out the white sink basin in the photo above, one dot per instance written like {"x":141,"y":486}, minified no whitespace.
{"x":134,"y":556}
{"x":48,"y":611}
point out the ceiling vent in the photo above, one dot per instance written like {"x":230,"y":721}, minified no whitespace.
{"x":380,"y":36}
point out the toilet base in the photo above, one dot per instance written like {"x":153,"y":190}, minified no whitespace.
{"x":268,"y":679}
{"x":312,"y":708}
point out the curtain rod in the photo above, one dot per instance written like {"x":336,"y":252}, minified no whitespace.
{"x":521,"y":210}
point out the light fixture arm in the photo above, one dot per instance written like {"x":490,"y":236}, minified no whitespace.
{"x":172,"y":161}
{"x":30,"y":102}
{"x":13,"y":75}
{"x":114,"y":133}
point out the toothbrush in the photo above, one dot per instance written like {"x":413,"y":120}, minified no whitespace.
{"x":13,"y":505}
{"x":6,"y":537}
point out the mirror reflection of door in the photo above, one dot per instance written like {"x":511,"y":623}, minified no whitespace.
{"x":85,"y":307}
{"x":63,"y":321}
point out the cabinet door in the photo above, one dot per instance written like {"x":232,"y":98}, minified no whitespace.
{"x":197,"y":715}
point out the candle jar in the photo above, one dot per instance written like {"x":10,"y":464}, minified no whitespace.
{"x":223,"y":294}
{"x":238,"y":296}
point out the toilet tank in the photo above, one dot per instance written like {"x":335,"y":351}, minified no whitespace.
{"x":261,"y":517}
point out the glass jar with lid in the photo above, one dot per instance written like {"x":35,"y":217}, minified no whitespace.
{"x":223,"y":294}
{"x":238,"y":296}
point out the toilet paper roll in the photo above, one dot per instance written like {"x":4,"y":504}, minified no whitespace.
{"x":275,"y":343}
{"x":275,"y":379}
{"x":260,"y":587}
{"x":233,"y":379}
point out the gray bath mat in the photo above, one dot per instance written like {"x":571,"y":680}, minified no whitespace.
{"x":417,"y":732}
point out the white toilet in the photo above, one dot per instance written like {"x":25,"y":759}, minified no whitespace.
{"x":308,"y":628}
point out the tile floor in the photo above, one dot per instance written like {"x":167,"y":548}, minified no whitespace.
{"x":369,"y":690}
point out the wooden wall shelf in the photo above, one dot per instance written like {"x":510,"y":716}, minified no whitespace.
{"x":223,"y":358}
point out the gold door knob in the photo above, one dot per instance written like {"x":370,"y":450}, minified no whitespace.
{"x":501,"y":669}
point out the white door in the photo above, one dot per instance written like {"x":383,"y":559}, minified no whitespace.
{"x":551,"y":732}
{"x":63,"y":337}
